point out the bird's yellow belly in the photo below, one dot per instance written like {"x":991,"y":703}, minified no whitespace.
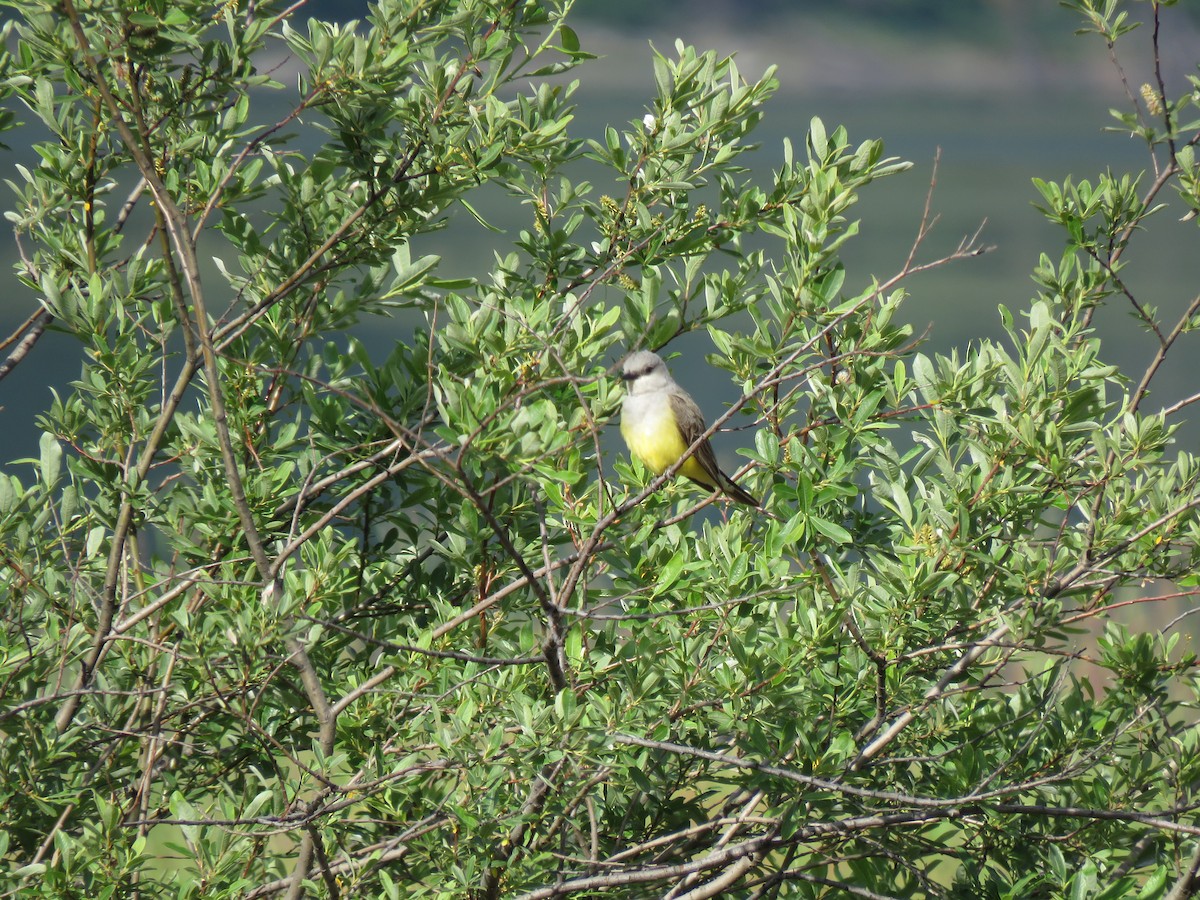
{"x":653,"y":437}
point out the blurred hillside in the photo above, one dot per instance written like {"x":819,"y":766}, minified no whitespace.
{"x":942,"y":15}
{"x":877,"y":46}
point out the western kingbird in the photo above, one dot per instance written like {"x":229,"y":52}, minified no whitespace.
{"x":659,"y":421}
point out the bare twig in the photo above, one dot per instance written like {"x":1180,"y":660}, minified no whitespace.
{"x":33,"y":328}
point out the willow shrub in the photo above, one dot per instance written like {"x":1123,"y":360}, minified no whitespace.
{"x":284,"y":616}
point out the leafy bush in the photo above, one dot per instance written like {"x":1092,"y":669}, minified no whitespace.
{"x":283,"y":617}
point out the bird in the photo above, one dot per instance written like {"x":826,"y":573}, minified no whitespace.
{"x":659,"y":421}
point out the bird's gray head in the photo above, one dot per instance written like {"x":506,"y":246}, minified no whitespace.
{"x":644,"y":371}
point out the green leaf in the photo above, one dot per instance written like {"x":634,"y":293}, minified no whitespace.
{"x":817,"y":138}
{"x":831,"y":530}
{"x":51,"y":460}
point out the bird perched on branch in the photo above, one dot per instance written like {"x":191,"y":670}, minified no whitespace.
{"x":659,"y":421}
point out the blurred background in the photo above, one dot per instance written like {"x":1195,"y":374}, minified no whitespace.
{"x":1004,"y":89}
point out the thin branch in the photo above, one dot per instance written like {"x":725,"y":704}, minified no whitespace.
{"x":33,"y":327}
{"x":1185,"y":884}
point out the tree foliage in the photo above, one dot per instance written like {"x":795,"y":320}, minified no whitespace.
{"x":282,"y":617}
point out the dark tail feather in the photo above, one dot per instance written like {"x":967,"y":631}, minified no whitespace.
{"x":734,"y":491}
{"x":730,"y":489}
